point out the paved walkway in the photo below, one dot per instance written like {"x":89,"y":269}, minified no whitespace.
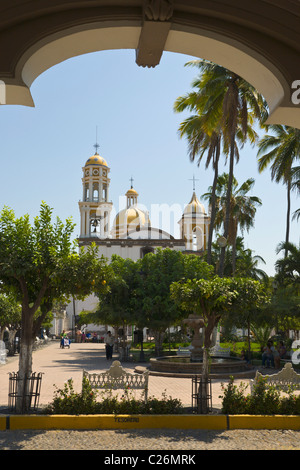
{"x":58,"y":365}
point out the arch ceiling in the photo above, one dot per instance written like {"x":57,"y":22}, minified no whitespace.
{"x":259,"y":40}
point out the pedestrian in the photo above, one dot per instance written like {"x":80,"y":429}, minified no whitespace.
{"x":244,"y":357}
{"x":109,"y":345}
{"x":62,"y":337}
{"x":267,"y":356}
{"x":281,"y":352}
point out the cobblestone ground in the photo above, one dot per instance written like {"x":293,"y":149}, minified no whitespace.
{"x":154,"y":440}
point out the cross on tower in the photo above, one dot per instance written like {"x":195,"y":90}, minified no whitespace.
{"x":194,"y":179}
{"x":131,"y":181}
{"x":96,"y":146}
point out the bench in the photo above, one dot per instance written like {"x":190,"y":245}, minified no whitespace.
{"x":220,"y":352}
{"x":117,"y":378}
{"x":184,"y":351}
{"x":284,"y":380}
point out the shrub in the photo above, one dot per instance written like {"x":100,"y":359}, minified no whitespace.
{"x":265,"y":400}
{"x":234,"y":400}
{"x":66,"y":401}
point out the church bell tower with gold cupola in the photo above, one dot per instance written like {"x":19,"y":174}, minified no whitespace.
{"x":95,"y":207}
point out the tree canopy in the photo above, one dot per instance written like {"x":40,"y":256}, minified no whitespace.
{"x":39,"y":264}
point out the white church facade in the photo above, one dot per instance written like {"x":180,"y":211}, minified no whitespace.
{"x":130,"y":234}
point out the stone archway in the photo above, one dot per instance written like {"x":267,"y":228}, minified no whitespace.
{"x":259,"y":41}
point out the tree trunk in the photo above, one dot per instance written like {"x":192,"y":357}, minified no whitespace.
{"x":25,"y":362}
{"x":158,"y":339}
{"x":213,"y":206}
{"x":203,"y":392}
{"x":288,"y":215}
{"x":233,"y":257}
{"x":249,"y":341}
{"x":228,"y":204}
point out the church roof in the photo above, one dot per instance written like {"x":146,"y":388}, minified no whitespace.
{"x":194,"y":206}
{"x":131,"y":192}
{"x":96,"y":160}
{"x":132,"y":215}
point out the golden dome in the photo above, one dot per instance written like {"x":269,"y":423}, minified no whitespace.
{"x":131,"y":192}
{"x":194,"y":206}
{"x":130,"y":219}
{"x":96,"y":160}
{"x":130,"y":216}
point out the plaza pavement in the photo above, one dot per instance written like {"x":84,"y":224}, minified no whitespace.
{"x":58,"y":365}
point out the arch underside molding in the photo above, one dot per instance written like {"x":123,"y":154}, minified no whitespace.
{"x":266,"y":61}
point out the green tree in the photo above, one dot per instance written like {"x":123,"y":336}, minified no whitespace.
{"x":251,"y":305}
{"x":116,"y":307}
{"x":204,"y":137}
{"x":238,"y":106}
{"x":285,"y":308}
{"x":288,"y":268}
{"x":247,"y":265}
{"x":242,"y":208}
{"x":139,"y":291}
{"x":213,"y":299}
{"x":296,"y":187}
{"x":39,"y":265}
{"x":10,"y":312}
{"x":280,"y":150}
{"x":158,"y":272}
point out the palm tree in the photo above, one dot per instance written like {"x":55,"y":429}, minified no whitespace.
{"x":235,"y":105}
{"x":288,"y":268}
{"x":242,"y":208}
{"x":201,"y":140}
{"x":248,"y":266}
{"x":296,"y":187}
{"x":296,"y":215}
{"x":281,"y":150}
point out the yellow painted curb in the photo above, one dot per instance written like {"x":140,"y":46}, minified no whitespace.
{"x":263,"y":422}
{"x":214,"y":422}
{"x":2,"y":423}
{"x":117,"y":422}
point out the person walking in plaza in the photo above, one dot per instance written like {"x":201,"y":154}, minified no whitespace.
{"x":267,"y":356}
{"x":109,"y":345}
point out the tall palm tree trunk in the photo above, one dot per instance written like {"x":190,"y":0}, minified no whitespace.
{"x":288,"y":216}
{"x":213,"y":204}
{"x":233,"y":256}
{"x":228,"y":204}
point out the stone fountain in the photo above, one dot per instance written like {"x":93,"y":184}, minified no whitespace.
{"x":189,"y":365}
{"x":195,"y":322}
{"x":3,"y":352}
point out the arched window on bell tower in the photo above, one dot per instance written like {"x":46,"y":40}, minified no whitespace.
{"x":96,"y":192}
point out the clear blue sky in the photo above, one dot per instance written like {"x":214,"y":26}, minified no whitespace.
{"x":44,"y":148}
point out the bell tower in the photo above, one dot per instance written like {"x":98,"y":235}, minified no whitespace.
{"x":95,"y":207}
{"x":194,"y":224}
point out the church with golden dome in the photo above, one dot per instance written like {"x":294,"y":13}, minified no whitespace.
{"x":127,"y":232}
{"x":131,"y":234}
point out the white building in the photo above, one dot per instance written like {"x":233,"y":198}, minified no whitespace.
{"x":131,"y":234}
